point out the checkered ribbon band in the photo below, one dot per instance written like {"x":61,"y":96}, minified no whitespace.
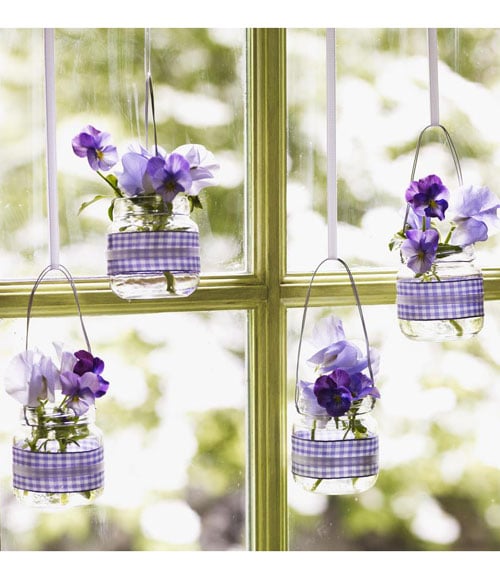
{"x":68,"y":472}
{"x":158,"y":252}
{"x":336,"y":459}
{"x":440,"y":300}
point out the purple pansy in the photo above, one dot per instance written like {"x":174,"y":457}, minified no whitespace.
{"x":361,"y":386}
{"x":332,"y":392}
{"x":33,"y":379}
{"x":96,"y":147}
{"x":168,"y":176}
{"x":188,"y":169}
{"x":428,"y":197}
{"x":419,"y":249}
{"x":202,"y":166}
{"x":473,"y":212}
{"x":81,"y":390}
{"x":87,"y":363}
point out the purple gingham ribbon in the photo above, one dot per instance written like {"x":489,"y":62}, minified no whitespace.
{"x":440,"y":300}
{"x":135,"y":252}
{"x":334,"y":459}
{"x":68,"y":472}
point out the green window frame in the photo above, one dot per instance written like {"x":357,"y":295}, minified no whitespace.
{"x":266,"y":293}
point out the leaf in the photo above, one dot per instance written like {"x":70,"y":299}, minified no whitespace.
{"x":397,"y":240}
{"x":445,"y":250}
{"x":110,"y":209}
{"x":195,"y":202}
{"x":92,"y":201}
{"x":113,"y":180}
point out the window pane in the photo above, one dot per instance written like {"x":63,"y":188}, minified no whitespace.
{"x":382,"y":105}
{"x":198,"y":77}
{"x":174,"y":435}
{"x":437,"y":487}
{"x":23,"y":231}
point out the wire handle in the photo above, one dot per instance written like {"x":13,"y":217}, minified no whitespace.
{"x":304,"y":314}
{"x":39,"y":280}
{"x":454,"y":155}
{"x":451,"y":145}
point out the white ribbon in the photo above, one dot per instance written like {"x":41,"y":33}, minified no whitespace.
{"x":331,"y":143}
{"x":50,"y":107}
{"x":433,"y":75}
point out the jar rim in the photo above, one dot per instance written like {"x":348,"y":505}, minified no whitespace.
{"x":364,"y":406}
{"x":152,"y":204}
{"x":32,"y":416}
{"x":140,"y":198}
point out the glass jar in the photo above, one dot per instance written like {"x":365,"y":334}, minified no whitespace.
{"x":333,"y":457}
{"x":446,"y":305}
{"x":57,"y":458}
{"x":153,"y":248}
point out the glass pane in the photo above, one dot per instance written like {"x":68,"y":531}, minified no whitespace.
{"x":382,"y":105}
{"x":23,"y":231}
{"x":198,"y":79}
{"x":173,"y":422}
{"x":438,"y":426}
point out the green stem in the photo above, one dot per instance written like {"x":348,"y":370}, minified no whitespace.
{"x":351,"y":425}
{"x":116,"y":189}
{"x":457,"y":326}
{"x":316,"y":484}
{"x":448,"y":237}
{"x":313,"y":435}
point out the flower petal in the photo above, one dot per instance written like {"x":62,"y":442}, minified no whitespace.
{"x":18,"y":375}
{"x":131,"y":179}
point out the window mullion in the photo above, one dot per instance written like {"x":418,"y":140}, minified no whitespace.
{"x":268,"y":506}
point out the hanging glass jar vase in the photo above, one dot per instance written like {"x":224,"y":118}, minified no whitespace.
{"x":334,"y":443}
{"x":447,"y":305}
{"x":336,"y":455}
{"x":58,"y":458}
{"x":153,"y":248}
{"x":439,"y":288}
{"x":57,"y":452}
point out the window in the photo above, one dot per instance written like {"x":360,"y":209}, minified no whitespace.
{"x":257,"y":97}
{"x":437,"y":485}
{"x":174,"y":433}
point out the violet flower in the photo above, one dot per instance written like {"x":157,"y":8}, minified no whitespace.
{"x":473,"y":212}
{"x":202,"y":166}
{"x":428,"y":197}
{"x":134,"y":168}
{"x":420,"y":249}
{"x":168,"y":176}
{"x":80,"y":390}
{"x":96,"y":147}
{"x":332,"y":392}
{"x":87,"y":363}
{"x":335,"y":351}
{"x":362,"y":386}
